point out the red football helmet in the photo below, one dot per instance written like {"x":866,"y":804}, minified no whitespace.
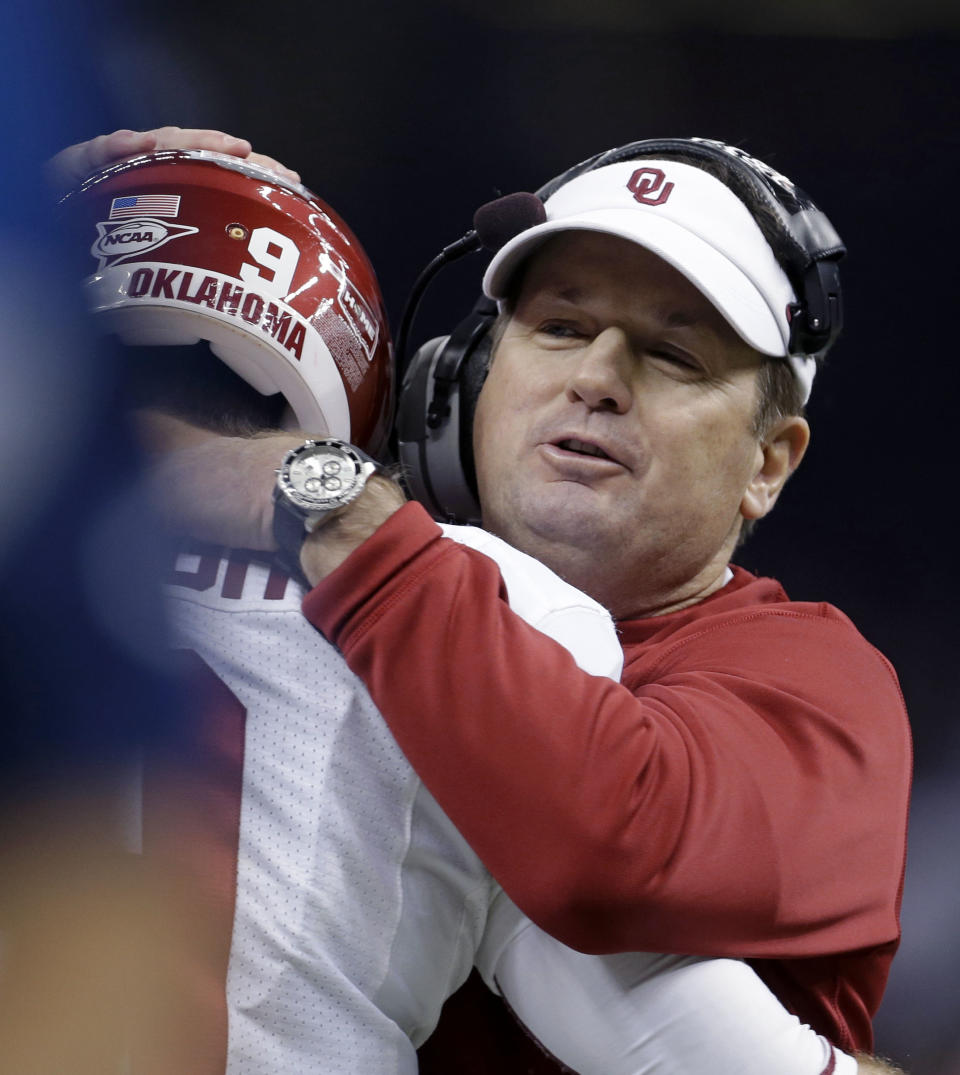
{"x":194,"y":245}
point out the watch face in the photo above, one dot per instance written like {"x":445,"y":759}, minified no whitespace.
{"x":321,"y":477}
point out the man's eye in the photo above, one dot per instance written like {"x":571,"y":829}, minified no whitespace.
{"x":673,"y":358}
{"x":559,"y":330}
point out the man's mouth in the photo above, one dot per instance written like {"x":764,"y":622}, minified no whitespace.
{"x":581,"y":447}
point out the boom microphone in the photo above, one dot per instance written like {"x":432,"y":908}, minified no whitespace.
{"x":497,"y":222}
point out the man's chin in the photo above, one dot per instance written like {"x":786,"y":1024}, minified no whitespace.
{"x":582,"y":524}
{"x":564,"y":513}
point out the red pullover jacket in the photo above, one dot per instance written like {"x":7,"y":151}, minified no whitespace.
{"x":742,"y":792}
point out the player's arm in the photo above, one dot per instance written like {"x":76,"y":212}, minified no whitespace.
{"x":219,"y":489}
{"x":71,"y":165}
{"x":640,"y":1012}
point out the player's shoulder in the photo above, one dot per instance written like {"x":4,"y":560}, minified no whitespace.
{"x":547,"y":602}
{"x":233,"y":580}
{"x":526,"y":579}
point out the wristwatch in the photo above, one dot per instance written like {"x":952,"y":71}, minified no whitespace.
{"x":314,"y":481}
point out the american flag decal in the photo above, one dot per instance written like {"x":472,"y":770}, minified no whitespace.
{"x":155,"y":205}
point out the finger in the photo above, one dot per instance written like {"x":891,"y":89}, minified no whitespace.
{"x":274,"y":166}
{"x":220,"y":142}
{"x":107,"y":148}
{"x":201,"y":138}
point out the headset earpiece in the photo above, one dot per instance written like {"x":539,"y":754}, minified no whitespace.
{"x":435,"y":417}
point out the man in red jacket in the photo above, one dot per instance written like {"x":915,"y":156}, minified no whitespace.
{"x":743,"y":792}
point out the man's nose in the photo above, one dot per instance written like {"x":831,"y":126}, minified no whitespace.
{"x":602,"y":377}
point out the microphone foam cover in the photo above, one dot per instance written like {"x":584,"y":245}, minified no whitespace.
{"x":499,"y":221}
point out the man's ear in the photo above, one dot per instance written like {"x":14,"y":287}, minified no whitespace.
{"x":779,"y":455}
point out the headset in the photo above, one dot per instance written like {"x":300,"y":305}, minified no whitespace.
{"x":441,"y":383}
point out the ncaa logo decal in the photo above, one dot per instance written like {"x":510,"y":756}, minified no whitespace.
{"x":649,"y":186}
{"x":118,"y":240}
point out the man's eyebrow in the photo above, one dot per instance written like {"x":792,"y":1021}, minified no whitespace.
{"x":559,"y":290}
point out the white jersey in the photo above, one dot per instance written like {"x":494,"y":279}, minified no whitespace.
{"x":358,"y":908}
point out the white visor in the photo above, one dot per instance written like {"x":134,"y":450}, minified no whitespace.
{"x":692,"y":221}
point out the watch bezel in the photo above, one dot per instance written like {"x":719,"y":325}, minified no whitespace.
{"x":321,"y":503}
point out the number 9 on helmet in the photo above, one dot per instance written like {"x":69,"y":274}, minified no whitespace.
{"x":190,"y":245}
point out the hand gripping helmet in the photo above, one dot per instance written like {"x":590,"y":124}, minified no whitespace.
{"x":194,"y":245}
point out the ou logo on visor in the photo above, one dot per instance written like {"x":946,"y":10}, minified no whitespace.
{"x":649,"y":186}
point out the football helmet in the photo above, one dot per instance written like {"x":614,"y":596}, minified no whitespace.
{"x":191,"y":245}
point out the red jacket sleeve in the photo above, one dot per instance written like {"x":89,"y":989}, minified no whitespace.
{"x":744,"y":795}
